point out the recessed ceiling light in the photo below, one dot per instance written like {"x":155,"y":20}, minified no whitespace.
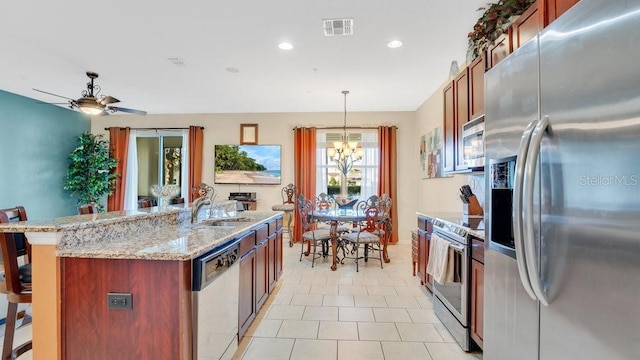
{"x":285,"y":46}
{"x":394,"y":44}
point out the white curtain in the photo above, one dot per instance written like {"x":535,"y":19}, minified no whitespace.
{"x":321,"y":158}
{"x":370,"y":161}
{"x":131,"y":180}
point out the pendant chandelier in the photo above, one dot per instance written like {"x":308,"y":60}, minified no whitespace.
{"x":344,"y":153}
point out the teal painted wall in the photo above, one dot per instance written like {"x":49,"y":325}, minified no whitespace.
{"x":35,"y":140}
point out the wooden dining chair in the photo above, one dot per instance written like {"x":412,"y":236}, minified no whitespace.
{"x":15,"y":282}
{"x":144,"y":203}
{"x":90,"y":208}
{"x":366,"y":234}
{"x":288,"y":206}
{"x":177,"y":201}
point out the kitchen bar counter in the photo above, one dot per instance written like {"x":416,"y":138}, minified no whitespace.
{"x":473,"y":224}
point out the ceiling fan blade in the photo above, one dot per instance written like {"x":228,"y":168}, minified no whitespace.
{"x":127,"y":110}
{"x":106,"y":100}
{"x":46,"y":92}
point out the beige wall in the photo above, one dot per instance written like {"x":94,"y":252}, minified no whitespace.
{"x":276,"y":128}
{"x":441,"y":194}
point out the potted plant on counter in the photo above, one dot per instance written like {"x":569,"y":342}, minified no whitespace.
{"x":495,"y":20}
{"x":91,"y":175}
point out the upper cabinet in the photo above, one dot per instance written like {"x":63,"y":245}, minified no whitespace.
{"x":500,"y":49}
{"x":527,"y":26}
{"x":552,"y":9}
{"x":476,"y":87}
{"x":461,"y":114}
{"x":449,"y":128}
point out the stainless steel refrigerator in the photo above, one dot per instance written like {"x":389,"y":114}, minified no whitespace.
{"x":562,"y":135}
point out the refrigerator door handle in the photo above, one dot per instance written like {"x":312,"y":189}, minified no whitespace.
{"x":528,"y":185}
{"x":518,"y":203}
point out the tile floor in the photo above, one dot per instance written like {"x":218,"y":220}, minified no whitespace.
{"x":21,"y":335}
{"x":316,"y":313}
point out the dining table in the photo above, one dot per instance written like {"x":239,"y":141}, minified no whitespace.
{"x":338,"y":216}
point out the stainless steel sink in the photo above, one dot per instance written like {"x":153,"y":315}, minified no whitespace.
{"x":224,"y":223}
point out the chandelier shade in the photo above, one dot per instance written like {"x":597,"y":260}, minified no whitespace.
{"x":345,"y":153}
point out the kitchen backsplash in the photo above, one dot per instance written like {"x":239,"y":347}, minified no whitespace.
{"x":476,"y":182}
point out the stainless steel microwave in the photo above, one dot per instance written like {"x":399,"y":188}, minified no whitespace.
{"x":473,"y":143}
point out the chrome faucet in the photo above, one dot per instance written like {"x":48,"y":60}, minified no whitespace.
{"x":207,"y":195}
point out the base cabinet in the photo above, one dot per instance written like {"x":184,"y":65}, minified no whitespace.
{"x":477,"y":302}
{"x":247,"y":300}
{"x":424,"y":241}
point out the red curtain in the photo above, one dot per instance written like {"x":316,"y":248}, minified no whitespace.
{"x":119,"y":140}
{"x":195,"y":160}
{"x":305,"y":168}
{"x":388,"y":182}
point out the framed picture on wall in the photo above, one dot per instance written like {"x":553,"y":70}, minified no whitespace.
{"x":248,"y":134}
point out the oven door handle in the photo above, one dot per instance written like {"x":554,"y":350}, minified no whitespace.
{"x":528,"y":186}
{"x":456,"y":247}
{"x":518,"y":232}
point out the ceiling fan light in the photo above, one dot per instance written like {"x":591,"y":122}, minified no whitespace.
{"x":89,"y":106}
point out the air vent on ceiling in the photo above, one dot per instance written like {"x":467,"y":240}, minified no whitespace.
{"x":335,"y":27}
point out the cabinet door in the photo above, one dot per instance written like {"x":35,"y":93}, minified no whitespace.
{"x":272,"y":249}
{"x":423,"y":253}
{"x":278,"y":254}
{"x":461,"y":91}
{"x":527,"y":26}
{"x":262,"y":274}
{"x":477,"y":301}
{"x":476,"y":87}
{"x":448,"y":157}
{"x":501,"y":48}
{"x":552,"y":9}
{"x":247,"y":299}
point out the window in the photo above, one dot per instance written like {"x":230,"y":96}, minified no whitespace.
{"x":362,"y":179}
{"x":155,"y":158}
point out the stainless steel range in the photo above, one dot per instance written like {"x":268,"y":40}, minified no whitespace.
{"x":451,"y":303}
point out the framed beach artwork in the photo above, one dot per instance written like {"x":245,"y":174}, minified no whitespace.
{"x":247,"y":164}
{"x":431,"y":148}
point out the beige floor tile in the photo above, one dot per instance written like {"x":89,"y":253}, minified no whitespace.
{"x":338,"y":300}
{"x":281,"y":299}
{"x":356,"y":314}
{"x":381,"y":290}
{"x":314,"y":280}
{"x":340,"y":279}
{"x":391,"y":315}
{"x":412,"y":290}
{"x":305,"y":349}
{"x":367,"y":279}
{"x":307,"y":299}
{"x":370,"y":301}
{"x":295,"y":288}
{"x":444,"y":333}
{"x":423,"y":316}
{"x":268,"y":349}
{"x":324,"y":289}
{"x":339,"y":330}
{"x":405,"y":302}
{"x":425,"y":302}
{"x":264,"y":328}
{"x":285,"y":312}
{"x":448,"y":351}
{"x":394,"y":350}
{"x":352,"y":290}
{"x":299,"y":329}
{"x":378,"y":331}
{"x":360,"y":350}
{"x":419,"y":332}
{"x":326,"y":313}
{"x":392,"y":280}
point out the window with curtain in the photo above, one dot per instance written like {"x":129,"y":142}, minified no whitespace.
{"x":155,"y":158}
{"x":362,"y":180}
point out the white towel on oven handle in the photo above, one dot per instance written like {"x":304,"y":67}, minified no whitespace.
{"x":438,"y":265}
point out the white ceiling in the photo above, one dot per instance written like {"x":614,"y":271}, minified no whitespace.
{"x":49,"y":45}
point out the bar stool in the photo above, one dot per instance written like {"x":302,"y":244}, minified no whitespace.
{"x":16,"y":280}
{"x":90,"y":208}
{"x":288,"y":206}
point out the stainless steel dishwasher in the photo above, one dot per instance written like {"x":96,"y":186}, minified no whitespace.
{"x":216,"y":277}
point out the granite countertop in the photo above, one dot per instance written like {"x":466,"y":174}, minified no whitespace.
{"x":150,"y":234}
{"x":473,"y":224}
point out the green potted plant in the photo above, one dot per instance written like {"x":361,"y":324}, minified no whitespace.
{"x":495,"y":20}
{"x":91,"y":175}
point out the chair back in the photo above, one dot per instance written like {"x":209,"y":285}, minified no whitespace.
{"x":289,"y":194}
{"x":144,"y":203}
{"x":384,"y":204}
{"x":305,"y":209}
{"x":90,"y":208}
{"x":13,"y":245}
{"x":371,"y":214}
{"x":324,"y":202}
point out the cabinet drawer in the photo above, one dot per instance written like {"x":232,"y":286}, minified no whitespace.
{"x":272,"y":227}
{"x":247,"y":242}
{"x":262,"y":233}
{"x":477,"y":249}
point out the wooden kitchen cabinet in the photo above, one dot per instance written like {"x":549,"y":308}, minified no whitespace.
{"x":476,"y":87}
{"x":477,"y":291}
{"x":501,"y":48}
{"x":461,"y":114}
{"x":424,"y":241}
{"x":448,"y":156}
{"x":552,"y":9}
{"x":247,"y":299}
{"x":262,"y":273}
{"x":527,"y":25}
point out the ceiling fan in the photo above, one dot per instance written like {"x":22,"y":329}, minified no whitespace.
{"x":92,"y":104}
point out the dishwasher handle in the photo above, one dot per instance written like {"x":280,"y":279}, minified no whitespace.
{"x":207,"y":267}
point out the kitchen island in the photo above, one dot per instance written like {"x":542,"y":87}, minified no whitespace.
{"x":78,"y":260}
